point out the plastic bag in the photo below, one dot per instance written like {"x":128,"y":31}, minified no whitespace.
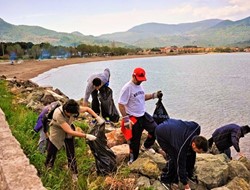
{"x":107,"y":104}
{"x":128,"y":132}
{"x":105,"y":159}
{"x":160,"y":113}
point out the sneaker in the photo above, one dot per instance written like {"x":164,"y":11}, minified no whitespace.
{"x":129,"y":163}
{"x":193,"y":179}
{"x":166,"y":185}
{"x":131,"y":159}
{"x":74,"y":178}
{"x":151,"y":150}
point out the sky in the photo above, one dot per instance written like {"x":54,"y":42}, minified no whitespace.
{"x":96,"y":17}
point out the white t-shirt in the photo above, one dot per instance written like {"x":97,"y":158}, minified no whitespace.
{"x":133,"y":98}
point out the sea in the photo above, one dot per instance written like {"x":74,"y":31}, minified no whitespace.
{"x":210,"y":89}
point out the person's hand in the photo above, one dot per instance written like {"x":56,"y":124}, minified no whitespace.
{"x":126,"y":121}
{"x":240,"y":154}
{"x":157,"y":94}
{"x":187,"y":187}
{"x":90,"y":137}
{"x":100,"y":120}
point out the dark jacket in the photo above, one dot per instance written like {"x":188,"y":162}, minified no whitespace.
{"x":176,"y":137}
{"x":227,"y":136}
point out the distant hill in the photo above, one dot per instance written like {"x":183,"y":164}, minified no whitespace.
{"x":209,"y":33}
{"x":36,"y":34}
{"x":206,"y":33}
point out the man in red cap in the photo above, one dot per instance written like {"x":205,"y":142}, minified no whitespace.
{"x":131,"y":104}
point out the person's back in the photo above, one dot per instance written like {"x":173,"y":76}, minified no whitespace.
{"x":103,"y":78}
{"x":42,"y":124}
{"x":225,"y":136}
{"x":177,"y":131}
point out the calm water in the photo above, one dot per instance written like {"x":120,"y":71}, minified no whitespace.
{"x":211,"y":89}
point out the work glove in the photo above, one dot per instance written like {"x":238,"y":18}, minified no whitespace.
{"x":100,"y":120}
{"x":157,"y":94}
{"x":126,"y":121}
{"x":90,"y":137}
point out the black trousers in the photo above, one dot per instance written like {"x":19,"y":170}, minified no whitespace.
{"x":145,"y":122}
{"x":96,"y":105}
{"x":171,"y":174}
{"x":70,"y":151}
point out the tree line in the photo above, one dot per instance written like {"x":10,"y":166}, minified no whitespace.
{"x":28,"y":50}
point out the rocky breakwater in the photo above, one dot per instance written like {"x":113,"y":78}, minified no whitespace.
{"x":215,"y":172}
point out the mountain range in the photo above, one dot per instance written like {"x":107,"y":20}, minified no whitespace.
{"x":206,"y":33}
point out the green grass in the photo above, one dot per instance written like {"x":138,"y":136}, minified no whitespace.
{"x":21,"y":121}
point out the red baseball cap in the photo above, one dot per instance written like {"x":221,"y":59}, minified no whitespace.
{"x":139,"y":74}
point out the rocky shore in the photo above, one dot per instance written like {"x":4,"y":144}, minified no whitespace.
{"x":213,"y":171}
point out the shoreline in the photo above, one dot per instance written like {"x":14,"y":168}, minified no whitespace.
{"x":29,"y":69}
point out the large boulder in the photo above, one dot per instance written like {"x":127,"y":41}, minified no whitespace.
{"x":212,"y":170}
{"x":146,"y":167}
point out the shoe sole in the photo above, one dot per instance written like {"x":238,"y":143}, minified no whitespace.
{"x":192,"y":182}
{"x":168,"y":187}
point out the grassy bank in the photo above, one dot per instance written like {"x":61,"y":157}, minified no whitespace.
{"x":21,"y":121}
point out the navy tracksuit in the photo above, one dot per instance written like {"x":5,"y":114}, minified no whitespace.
{"x":227,"y":136}
{"x":175,"y":138}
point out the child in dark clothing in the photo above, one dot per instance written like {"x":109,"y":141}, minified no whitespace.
{"x":227,"y":136}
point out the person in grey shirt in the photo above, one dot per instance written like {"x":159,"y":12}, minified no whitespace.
{"x":96,"y":83}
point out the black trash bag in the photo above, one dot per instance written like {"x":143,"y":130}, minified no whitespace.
{"x":160,"y":113}
{"x":105,"y":159}
{"x":107,"y":104}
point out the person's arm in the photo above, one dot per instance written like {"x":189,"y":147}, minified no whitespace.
{"x":89,"y":89}
{"x":235,"y":138}
{"x":125,"y":117}
{"x":91,"y":112}
{"x":182,"y":169}
{"x":65,"y":126}
{"x":122,"y":109}
{"x":154,"y":95}
{"x":107,"y":74}
{"x":148,"y":96}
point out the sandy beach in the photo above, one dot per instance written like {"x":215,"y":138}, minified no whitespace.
{"x":31,"y":68}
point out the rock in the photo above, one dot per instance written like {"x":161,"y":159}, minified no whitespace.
{"x":238,"y":184}
{"x":238,"y":169}
{"x":157,"y":158}
{"x":143,"y":182}
{"x":212,"y":170}
{"x":146,"y":167}
{"x":115,"y":138}
{"x":121,"y":152}
{"x":245,"y":161}
{"x":124,"y":184}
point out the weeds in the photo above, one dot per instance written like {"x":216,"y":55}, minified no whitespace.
{"x":21,"y":121}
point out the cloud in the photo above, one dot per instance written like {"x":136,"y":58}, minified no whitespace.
{"x":233,"y":9}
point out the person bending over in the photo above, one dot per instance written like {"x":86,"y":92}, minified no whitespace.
{"x":62,"y":132}
{"x":181,"y":141}
{"x":227,"y":136}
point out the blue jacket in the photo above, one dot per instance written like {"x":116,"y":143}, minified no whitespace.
{"x":227,"y":136}
{"x":176,"y":137}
